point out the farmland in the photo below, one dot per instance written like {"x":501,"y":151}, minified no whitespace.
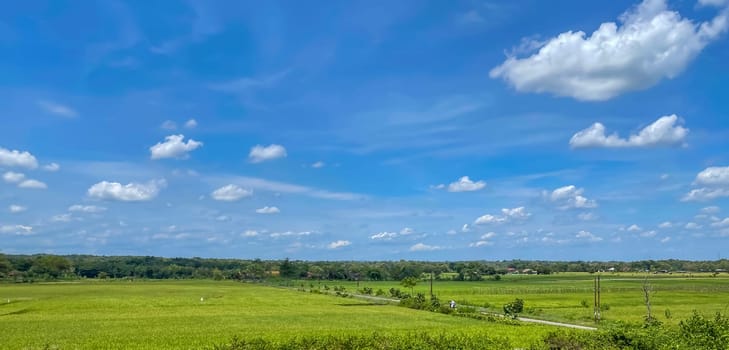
{"x":118,"y":314}
{"x":158,"y":314}
{"x":568,"y":297}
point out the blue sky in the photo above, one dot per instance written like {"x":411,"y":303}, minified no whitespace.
{"x":366,"y":130}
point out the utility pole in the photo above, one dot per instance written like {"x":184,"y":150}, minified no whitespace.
{"x":597,"y":299}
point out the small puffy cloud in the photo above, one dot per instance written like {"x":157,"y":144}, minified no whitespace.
{"x":52,"y":167}
{"x":230,"y":193}
{"x":21,"y":230}
{"x":710,"y":209}
{"x":666,"y":224}
{"x":437,"y":187}
{"x":570,"y":197}
{"x":466,"y":228}
{"x":587,"y":235}
{"x":664,"y":176}
{"x":648,"y":44}
{"x":318,"y":165}
{"x":716,"y":185}
{"x":508,"y":214}
{"x":489,"y":219}
{"x":14,"y":208}
{"x":61,"y":218}
{"x":17,"y":158}
{"x":290,"y":233}
{"x":587,"y":216}
{"x":131,"y":192}
{"x":33,"y":184}
{"x":58,"y":109}
{"x":651,"y":233}
{"x":249,"y":233}
{"x":385,"y":236}
{"x":465,"y":184}
{"x":338,"y":244}
{"x":13,"y":177}
{"x":169,"y":125}
{"x":488,"y":235}
{"x":693,"y":226}
{"x":634,"y":228}
{"x":174,"y":147}
{"x":665,"y":239}
{"x":713,"y":176}
{"x":420,"y":247}
{"x":268,"y":210}
{"x":662,"y":132}
{"x":191,"y":124}
{"x":406,"y":231}
{"x":86,"y":208}
{"x":263,"y":153}
{"x":480,"y":244}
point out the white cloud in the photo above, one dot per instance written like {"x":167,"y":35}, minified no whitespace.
{"x":406,"y":231}
{"x":519,"y":213}
{"x":666,"y":224}
{"x":282,"y":187}
{"x":693,"y":226}
{"x":665,"y":176}
{"x":58,"y":109}
{"x":420,"y":247}
{"x":516,"y":213}
{"x":651,"y":233}
{"x":13,"y":177}
{"x":290,"y":233}
{"x":489,"y":219}
{"x":338,"y":244}
{"x":710,"y":209}
{"x":650,"y":43}
{"x":587,"y":216}
{"x":717,"y":3}
{"x":464,"y":184}
{"x":169,"y":125}
{"x":16,"y":158}
{"x":713,"y":176}
{"x":722,"y":223}
{"x":706,"y":194}
{"x":665,"y":239}
{"x":481,"y":244}
{"x":662,"y":132}
{"x":716,"y":182}
{"x":587,"y":235}
{"x":570,"y":197}
{"x":268,"y":210}
{"x":386,"y":236}
{"x":174,"y":147}
{"x":131,"y":192}
{"x":21,"y":230}
{"x":191,"y":124}
{"x":437,"y":187}
{"x":263,"y":153}
{"x":318,"y":165}
{"x":634,"y":228}
{"x":61,"y":218}
{"x":249,"y":233}
{"x":14,"y":208}
{"x":34,"y":184}
{"x":230,"y":193}
{"x":466,"y":228}
{"x":488,"y":235}
{"x":86,"y":208}
{"x":52,"y":167}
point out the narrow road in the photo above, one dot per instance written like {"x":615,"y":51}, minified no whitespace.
{"x":483,"y":311}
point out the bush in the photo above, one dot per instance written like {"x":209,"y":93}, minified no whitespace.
{"x":380,"y":292}
{"x":514,"y":308}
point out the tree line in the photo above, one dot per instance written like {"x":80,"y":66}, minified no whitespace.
{"x":49,"y":267}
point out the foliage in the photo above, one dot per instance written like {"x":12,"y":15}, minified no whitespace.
{"x":514,"y":308}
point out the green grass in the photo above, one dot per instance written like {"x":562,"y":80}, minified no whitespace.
{"x":558,"y":297}
{"x":169,"y":314}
